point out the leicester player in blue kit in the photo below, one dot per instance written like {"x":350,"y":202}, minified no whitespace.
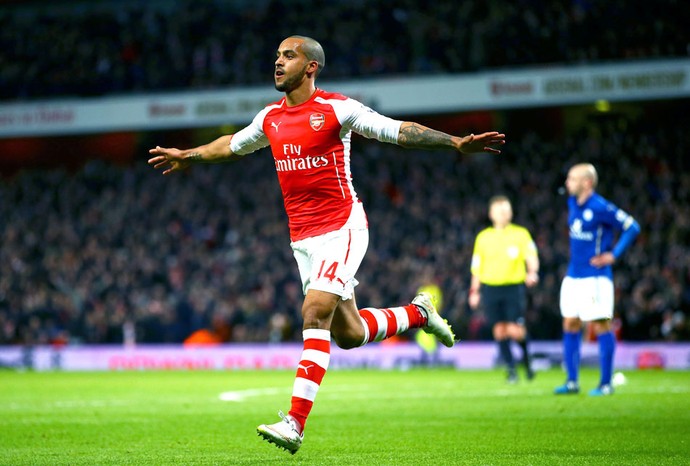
{"x":587,"y":289}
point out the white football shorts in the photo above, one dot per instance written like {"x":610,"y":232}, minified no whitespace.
{"x":589,"y":298}
{"x":329,"y":262}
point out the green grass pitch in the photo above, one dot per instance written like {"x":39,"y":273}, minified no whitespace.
{"x":416,"y":417}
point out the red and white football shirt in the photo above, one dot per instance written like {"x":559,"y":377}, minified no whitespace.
{"x":311,"y":149}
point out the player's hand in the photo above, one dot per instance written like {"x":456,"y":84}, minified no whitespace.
{"x":602,"y":260}
{"x":531,"y":279}
{"x":173,"y":159}
{"x":485,"y":142}
{"x":473,"y":299}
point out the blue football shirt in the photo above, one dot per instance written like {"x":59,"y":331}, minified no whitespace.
{"x":593,"y":226}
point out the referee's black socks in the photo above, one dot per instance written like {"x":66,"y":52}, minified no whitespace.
{"x":506,"y":354}
{"x":526,"y":358}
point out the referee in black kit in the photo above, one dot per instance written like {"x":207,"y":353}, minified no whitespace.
{"x":504,"y":261}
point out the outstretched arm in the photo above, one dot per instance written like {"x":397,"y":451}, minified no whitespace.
{"x":418,"y":136}
{"x":175,"y":159}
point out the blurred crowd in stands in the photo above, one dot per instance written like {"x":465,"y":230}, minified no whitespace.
{"x":78,"y":48}
{"x":111,"y":254}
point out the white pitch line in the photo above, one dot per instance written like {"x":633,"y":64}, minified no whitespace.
{"x":240,"y":395}
{"x":355,"y":392}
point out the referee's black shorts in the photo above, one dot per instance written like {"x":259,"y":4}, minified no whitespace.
{"x":504,"y":303}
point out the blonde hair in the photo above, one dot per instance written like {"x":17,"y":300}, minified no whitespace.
{"x":588,"y":171}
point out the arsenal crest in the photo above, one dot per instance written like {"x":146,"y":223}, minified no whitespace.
{"x":317,"y":120}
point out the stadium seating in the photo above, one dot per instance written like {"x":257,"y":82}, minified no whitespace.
{"x":99,"y":253}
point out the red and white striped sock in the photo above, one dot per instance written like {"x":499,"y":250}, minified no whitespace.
{"x":310,"y":371}
{"x":380,"y":324}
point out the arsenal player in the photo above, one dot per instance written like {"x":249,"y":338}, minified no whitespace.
{"x":309,"y":132}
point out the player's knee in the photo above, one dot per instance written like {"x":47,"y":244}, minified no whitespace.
{"x":346,"y":341}
{"x":572,"y":324}
{"x":601,"y":326}
{"x":500,"y":331}
{"x":316,"y":316}
{"x":515,"y":333}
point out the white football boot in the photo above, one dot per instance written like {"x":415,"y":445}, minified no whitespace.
{"x":284,"y":434}
{"x":435,"y":324}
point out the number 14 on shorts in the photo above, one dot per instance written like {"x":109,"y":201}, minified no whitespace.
{"x":330,"y":271}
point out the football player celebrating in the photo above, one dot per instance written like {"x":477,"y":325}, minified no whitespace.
{"x":309,"y":132}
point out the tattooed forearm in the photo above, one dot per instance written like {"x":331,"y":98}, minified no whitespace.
{"x":195,"y":157}
{"x":214,"y":152}
{"x":416,"y":135}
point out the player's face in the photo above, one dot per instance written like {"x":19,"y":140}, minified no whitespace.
{"x":574,"y":183}
{"x":290,"y":65}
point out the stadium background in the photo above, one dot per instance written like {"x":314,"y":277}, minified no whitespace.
{"x":97,"y":247}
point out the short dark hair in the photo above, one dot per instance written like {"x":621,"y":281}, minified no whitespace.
{"x":313,"y":51}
